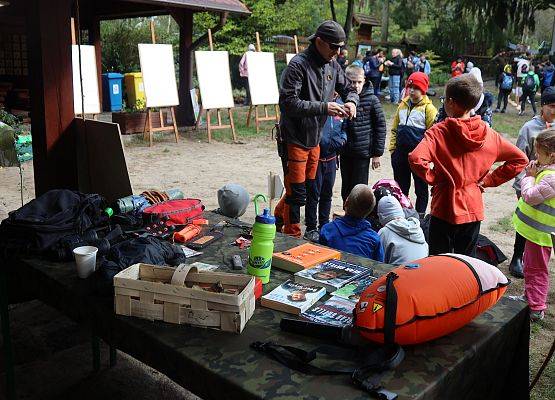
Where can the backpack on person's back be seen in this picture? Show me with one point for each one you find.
(548, 76)
(507, 81)
(529, 83)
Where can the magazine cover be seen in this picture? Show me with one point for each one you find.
(331, 274)
(292, 297)
(336, 311)
(353, 289)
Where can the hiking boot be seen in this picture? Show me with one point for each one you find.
(515, 267)
(496, 110)
(312, 236)
(503, 111)
(536, 316)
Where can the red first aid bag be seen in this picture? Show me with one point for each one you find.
(178, 212)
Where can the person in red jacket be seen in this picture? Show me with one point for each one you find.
(455, 158)
(457, 67)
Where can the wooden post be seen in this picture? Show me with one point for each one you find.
(258, 42)
(152, 32)
(210, 40)
(296, 44)
(185, 113)
(94, 39)
(51, 86)
(73, 34)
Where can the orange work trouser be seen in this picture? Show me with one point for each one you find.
(300, 166)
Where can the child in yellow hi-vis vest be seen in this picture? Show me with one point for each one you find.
(534, 219)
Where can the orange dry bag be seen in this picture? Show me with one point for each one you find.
(427, 299)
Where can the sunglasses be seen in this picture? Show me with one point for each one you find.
(333, 46)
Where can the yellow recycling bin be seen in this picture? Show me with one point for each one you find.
(135, 90)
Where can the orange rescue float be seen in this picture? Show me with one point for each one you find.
(435, 296)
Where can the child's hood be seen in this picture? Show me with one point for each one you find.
(468, 133)
(408, 229)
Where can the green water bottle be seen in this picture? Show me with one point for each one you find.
(262, 245)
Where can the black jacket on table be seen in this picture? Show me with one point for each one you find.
(307, 85)
(366, 133)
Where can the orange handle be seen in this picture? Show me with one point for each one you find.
(186, 234)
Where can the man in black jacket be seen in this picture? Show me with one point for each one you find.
(365, 135)
(305, 100)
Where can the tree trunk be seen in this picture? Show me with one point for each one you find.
(332, 7)
(385, 21)
(349, 19)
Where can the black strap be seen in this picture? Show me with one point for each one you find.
(368, 377)
(390, 309)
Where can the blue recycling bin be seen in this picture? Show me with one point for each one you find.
(112, 88)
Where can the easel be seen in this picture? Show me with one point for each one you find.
(148, 119)
(266, 116)
(209, 125)
(74, 42)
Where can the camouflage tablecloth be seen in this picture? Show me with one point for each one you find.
(487, 359)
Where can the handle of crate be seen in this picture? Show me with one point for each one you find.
(181, 272)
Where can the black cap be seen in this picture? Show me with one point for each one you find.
(331, 32)
(548, 95)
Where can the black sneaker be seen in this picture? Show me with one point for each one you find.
(503, 111)
(496, 110)
(312, 236)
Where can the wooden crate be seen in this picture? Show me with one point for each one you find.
(175, 295)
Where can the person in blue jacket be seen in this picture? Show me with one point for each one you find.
(320, 190)
(353, 233)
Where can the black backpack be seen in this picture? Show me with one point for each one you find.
(529, 84)
(39, 225)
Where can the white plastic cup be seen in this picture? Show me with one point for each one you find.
(85, 258)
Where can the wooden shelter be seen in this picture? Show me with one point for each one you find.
(363, 24)
(35, 55)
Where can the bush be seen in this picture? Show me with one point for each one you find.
(439, 77)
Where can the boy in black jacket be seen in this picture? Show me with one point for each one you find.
(319, 192)
(365, 135)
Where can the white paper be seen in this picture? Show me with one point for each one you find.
(262, 78)
(214, 79)
(90, 80)
(158, 71)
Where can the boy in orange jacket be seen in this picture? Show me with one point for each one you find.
(455, 158)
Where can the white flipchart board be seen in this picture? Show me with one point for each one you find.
(289, 56)
(214, 79)
(262, 78)
(158, 71)
(90, 80)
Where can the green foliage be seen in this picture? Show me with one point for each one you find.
(9, 119)
(120, 39)
(12, 120)
(407, 14)
(269, 18)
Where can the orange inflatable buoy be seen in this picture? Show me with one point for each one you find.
(432, 297)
